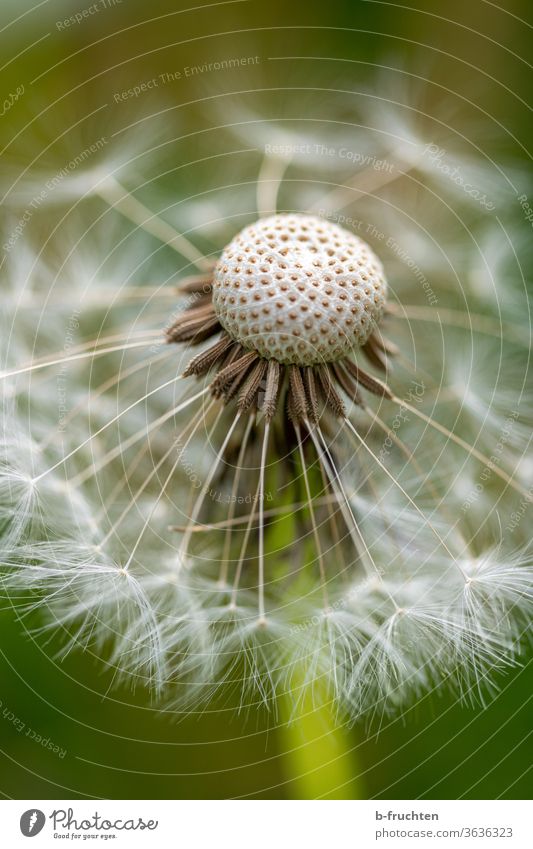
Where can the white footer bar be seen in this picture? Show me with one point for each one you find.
(266, 824)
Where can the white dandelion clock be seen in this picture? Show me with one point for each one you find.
(244, 460)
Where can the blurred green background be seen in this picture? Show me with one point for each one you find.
(112, 742)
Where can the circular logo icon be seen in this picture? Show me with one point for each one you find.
(32, 822)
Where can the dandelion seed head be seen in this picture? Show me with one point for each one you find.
(345, 551)
(299, 289)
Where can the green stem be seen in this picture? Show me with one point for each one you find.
(318, 754)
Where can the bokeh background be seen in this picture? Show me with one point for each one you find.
(464, 64)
